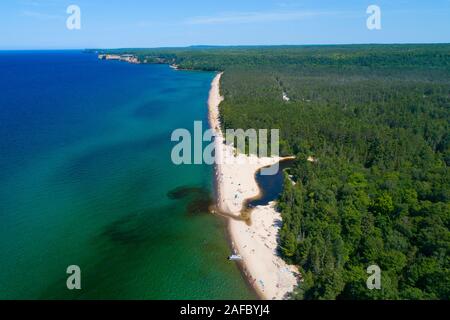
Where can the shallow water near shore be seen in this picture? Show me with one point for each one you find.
(87, 179)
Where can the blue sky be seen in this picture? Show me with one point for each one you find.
(41, 24)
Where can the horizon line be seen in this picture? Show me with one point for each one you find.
(224, 46)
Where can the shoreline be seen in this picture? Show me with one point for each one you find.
(255, 238)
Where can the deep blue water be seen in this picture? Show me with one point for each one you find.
(85, 174)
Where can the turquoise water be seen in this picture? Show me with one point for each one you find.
(86, 179)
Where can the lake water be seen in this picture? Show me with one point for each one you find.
(86, 179)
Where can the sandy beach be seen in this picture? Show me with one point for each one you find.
(255, 242)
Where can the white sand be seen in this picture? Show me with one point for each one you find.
(257, 243)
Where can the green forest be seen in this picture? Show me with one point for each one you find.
(375, 119)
